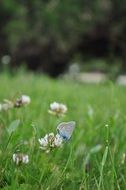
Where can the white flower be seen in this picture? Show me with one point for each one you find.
(58, 140)
(23, 100)
(50, 141)
(57, 108)
(47, 141)
(20, 158)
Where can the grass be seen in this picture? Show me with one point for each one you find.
(92, 159)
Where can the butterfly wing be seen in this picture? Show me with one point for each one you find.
(66, 129)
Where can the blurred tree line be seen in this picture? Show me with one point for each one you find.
(48, 34)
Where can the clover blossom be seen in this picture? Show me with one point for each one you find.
(8, 104)
(23, 100)
(58, 109)
(50, 141)
(19, 158)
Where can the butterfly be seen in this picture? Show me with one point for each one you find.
(66, 129)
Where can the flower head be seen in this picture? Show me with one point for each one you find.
(19, 158)
(23, 100)
(58, 109)
(50, 141)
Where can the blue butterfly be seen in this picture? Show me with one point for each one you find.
(66, 129)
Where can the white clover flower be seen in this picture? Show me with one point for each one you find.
(50, 141)
(7, 104)
(20, 158)
(23, 100)
(47, 141)
(57, 109)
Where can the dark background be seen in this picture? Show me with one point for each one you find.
(48, 35)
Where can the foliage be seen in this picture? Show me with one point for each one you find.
(55, 31)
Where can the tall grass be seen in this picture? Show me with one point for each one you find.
(91, 159)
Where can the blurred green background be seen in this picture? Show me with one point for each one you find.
(49, 35)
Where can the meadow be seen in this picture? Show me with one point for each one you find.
(93, 159)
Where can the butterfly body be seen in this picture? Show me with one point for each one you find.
(66, 129)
